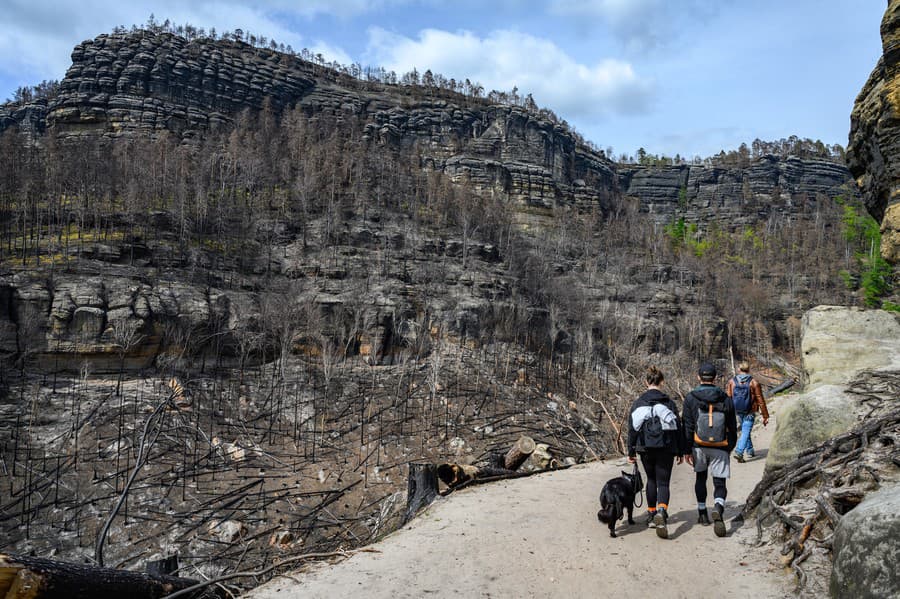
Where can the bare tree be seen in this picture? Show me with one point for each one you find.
(126, 336)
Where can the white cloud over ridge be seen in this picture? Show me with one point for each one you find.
(38, 35)
(503, 59)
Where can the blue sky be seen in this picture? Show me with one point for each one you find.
(673, 76)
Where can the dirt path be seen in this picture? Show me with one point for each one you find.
(539, 537)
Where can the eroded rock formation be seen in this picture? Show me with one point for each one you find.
(120, 84)
(873, 154)
(734, 196)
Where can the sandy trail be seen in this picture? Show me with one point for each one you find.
(539, 537)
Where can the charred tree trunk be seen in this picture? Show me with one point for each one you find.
(24, 577)
(422, 488)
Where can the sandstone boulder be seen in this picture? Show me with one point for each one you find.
(839, 342)
(867, 548)
(807, 420)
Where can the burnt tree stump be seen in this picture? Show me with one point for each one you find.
(422, 488)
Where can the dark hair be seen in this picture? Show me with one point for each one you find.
(654, 376)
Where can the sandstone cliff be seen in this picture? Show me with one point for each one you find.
(873, 154)
(120, 84)
(735, 196)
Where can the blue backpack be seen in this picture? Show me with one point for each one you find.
(741, 393)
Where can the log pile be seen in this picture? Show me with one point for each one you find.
(423, 478)
(801, 503)
(499, 466)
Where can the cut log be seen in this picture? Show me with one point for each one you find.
(422, 488)
(25, 577)
(519, 452)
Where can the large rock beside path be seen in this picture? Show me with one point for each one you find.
(867, 549)
(838, 344)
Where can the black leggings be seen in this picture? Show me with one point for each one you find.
(719, 489)
(658, 467)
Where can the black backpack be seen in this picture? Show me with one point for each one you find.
(652, 433)
(741, 395)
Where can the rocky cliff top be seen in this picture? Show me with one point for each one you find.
(733, 195)
(873, 154)
(129, 83)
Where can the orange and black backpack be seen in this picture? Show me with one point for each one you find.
(710, 429)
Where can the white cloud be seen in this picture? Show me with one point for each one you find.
(504, 59)
(641, 25)
(38, 35)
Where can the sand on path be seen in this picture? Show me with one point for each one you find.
(539, 537)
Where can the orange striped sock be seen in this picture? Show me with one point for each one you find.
(664, 506)
(652, 510)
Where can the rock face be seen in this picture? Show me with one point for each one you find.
(867, 548)
(736, 196)
(873, 154)
(111, 321)
(120, 84)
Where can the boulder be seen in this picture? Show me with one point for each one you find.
(839, 342)
(807, 420)
(867, 548)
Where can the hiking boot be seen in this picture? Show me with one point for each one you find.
(703, 517)
(650, 519)
(660, 520)
(739, 457)
(718, 521)
(751, 454)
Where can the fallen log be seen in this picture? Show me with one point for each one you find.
(26, 577)
(519, 452)
(454, 475)
(785, 384)
(495, 477)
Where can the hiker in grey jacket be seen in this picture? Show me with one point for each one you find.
(710, 433)
(654, 432)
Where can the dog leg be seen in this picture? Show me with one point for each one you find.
(631, 512)
(612, 529)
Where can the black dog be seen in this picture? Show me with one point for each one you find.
(616, 497)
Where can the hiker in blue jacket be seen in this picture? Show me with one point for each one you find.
(655, 433)
(710, 432)
(747, 396)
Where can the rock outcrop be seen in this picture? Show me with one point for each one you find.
(867, 548)
(838, 344)
(734, 196)
(873, 154)
(808, 419)
(121, 84)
